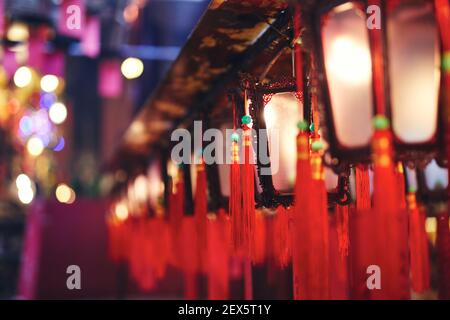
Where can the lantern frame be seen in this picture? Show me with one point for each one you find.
(260, 95)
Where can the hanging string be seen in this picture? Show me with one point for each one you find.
(235, 200)
(248, 192)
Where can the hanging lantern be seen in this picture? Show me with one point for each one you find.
(392, 60)
(276, 108)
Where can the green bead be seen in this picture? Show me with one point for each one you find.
(380, 122)
(446, 62)
(411, 189)
(317, 145)
(311, 127)
(302, 125)
(246, 119)
(235, 137)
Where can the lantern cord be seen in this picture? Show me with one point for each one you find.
(235, 200)
(282, 241)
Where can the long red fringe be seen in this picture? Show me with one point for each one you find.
(311, 253)
(418, 246)
(282, 240)
(258, 254)
(175, 218)
(300, 222)
(218, 257)
(342, 226)
(362, 187)
(190, 260)
(390, 223)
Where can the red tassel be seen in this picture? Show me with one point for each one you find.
(200, 213)
(218, 257)
(319, 231)
(115, 230)
(235, 201)
(282, 240)
(342, 229)
(399, 174)
(176, 212)
(259, 238)
(362, 187)
(300, 221)
(361, 235)
(442, 9)
(311, 253)
(443, 251)
(339, 280)
(248, 193)
(160, 244)
(390, 222)
(418, 247)
(189, 260)
(140, 266)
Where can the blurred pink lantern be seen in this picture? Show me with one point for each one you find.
(90, 41)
